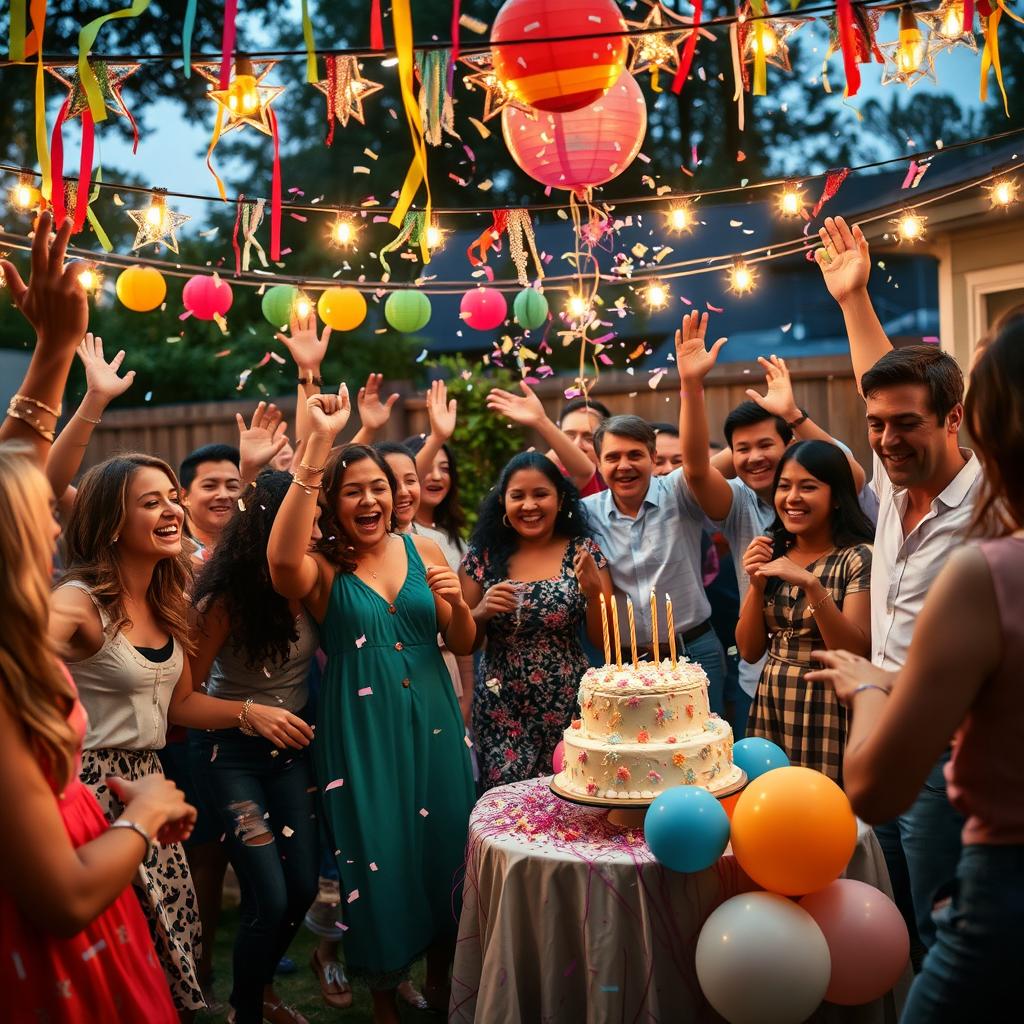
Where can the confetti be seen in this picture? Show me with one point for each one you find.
(353, 896)
(336, 784)
(786, 327)
(714, 309)
(213, 757)
(366, 691)
(287, 832)
(468, 741)
(373, 866)
(360, 640)
(424, 812)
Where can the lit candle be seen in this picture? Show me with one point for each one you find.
(670, 625)
(615, 632)
(654, 628)
(604, 631)
(632, 630)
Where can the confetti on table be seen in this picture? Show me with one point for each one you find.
(353, 896)
(287, 831)
(424, 812)
(336, 784)
(366, 691)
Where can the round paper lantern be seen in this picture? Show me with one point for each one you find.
(761, 959)
(206, 297)
(686, 828)
(407, 311)
(277, 304)
(563, 75)
(141, 288)
(483, 309)
(558, 757)
(342, 309)
(756, 755)
(585, 147)
(793, 831)
(530, 308)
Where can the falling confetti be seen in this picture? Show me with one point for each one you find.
(366, 691)
(360, 640)
(336, 784)
(353, 896)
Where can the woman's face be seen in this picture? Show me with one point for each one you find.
(153, 516)
(437, 483)
(407, 495)
(803, 502)
(364, 503)
(531, 504)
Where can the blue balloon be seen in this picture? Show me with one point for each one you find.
(757, 756)
(686, 828)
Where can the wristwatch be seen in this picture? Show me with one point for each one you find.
(798, 421)
(135, 827)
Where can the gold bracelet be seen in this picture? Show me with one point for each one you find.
(82, 416)
(243, 719)
(820, 604)
(312, 469)
(41, 405)
(43, 432)
(307, 487)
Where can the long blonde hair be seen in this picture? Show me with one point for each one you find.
(33, 686)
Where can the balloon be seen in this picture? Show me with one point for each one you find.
(761, 959)
(141, 288)
(407, 311)
(530, 308)
(793, 831)
(483, 309)
(342, 309)
(729, 803)
(867, 940)
(277, 304)
(563, 75)
(206, 297)
(686, 828)
(585, 147)
(558, 757)
(757, 756)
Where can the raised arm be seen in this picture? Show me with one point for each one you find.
(373, 413)
(260, 441)
(694, 361)
(845, 264)
(307, 351)
(441, 414)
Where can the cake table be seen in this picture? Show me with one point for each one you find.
(568, 918)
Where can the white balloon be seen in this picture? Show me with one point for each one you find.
(761, 959)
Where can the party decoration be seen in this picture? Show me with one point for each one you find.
(207, 298)
(483, 309)
(92, 83)
(763, 41)
(756, 756)
(24, 195)
(583, 148)
(1003, 193)
(407, 311)
(342, 309)
(157, 223)
(791, 201)
(909, 58)
(761, 959)
(483, 76)
(530, 308)
(437, 109)
(564, 74)
(681, 216)
(852, 31)
(346, 90)
(657, 51)
(558, 757)
(141, 289)
(867, 940)
(247, 99)
(793, 831)
(110, 80)
(278, 304)
(686, 828)
(950, 25)
(910, 226)
(686, 57)
(741, 278)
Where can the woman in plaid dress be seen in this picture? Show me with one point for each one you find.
(809, 588)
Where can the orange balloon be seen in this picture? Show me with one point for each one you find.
(793, 831)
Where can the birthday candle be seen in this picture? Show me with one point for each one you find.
(632, 630)
(615, 632)
(604, 631)
(670, 625)
(654, 628)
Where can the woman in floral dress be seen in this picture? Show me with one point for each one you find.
(532, 576)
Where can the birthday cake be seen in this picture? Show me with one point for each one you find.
(643, 730)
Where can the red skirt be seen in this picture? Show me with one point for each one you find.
(107, 972)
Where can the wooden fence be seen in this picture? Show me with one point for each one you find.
(823, 384)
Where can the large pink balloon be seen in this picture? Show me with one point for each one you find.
(584, 147)
(206, 297)
(867, 940)
(483, 309)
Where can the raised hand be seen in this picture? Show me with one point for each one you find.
(373, 413)
(693, 358)
(306, 348)
(261, 440)
(329, 413)
(758, 554)
(525, 409)
(845, 261)
(101, 377)
(587, 573)
(440, 411)
(281, 727)
(779, 400)
(444, 582)
(788, 571)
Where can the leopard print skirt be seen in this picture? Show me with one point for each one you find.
(163, 883)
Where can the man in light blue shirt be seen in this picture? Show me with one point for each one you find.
(649, 528)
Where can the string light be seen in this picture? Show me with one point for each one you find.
(243, 95)
(343, 232)
(577, 306)
(681, 217)
(741, 278)
(910, 48)
(1003, 192)
(25, 196)
(763, 40)
(791, 201)
(90, 280)
(303, 307)
(157, 223)
(656, 295)
(435, 237)
(951, 19)
(910, 226)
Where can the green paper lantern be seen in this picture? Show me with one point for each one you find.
(407, 311)
(530, 308)
(277, 304)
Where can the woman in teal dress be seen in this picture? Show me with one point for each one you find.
(390, 753)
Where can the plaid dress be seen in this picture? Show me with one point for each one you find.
(803, 718)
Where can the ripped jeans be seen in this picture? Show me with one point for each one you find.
(266, 800)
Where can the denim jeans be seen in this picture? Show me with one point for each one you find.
(260, 792)
(972, 971)
(707, 652)
(922, 849)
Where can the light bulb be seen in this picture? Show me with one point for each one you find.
(910, 226)
(741, 278)
(656, 295)
(681, 217)
(951, 24)
(1003, 192)
(303, 307)
(89, 279)
(243, 92)
(22, 196)
(435, 236)
(910, 48)
(791, 201)
(155, 215)
(763, 40)
(577, 306)
(343, 232)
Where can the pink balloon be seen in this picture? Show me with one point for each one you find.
(558, 757)
(483, 309)
(867, 940)
(584, 147)
(206, 297)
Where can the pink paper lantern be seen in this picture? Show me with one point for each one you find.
(206, 297)
(582, 148)
(483, 309)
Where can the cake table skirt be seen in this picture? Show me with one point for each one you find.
(566, 918)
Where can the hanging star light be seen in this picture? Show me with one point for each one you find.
(949, 27)
(246, 100)
(910, 57)
(765, 38)
(657, 51)
(157, 223)
(496, 96)
(345, 89)
(111, 79)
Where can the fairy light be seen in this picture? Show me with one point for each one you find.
(910, 226)
(1003, 192)
(763, 40)
(577, 306)
(910, 49)
(90, 280)
(24, 195)
(741, 278)
(343, 232)
(656, 295)
(435, 237)
(243, 93)
(156, 213)
(951, 19)
(681, 216)
(303, 307)
(791, 201)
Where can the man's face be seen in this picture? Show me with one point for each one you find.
(668, 454)
(756, 451)
(905, 434)
(627, 467)
(579, 427)
(213, 496)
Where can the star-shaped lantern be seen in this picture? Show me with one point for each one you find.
(496, 96)
(764, 38)
(345, 89)
(111, 79)
(657, 50)
(949, 27)
(246, 100)
(909, 58)
(157, 223)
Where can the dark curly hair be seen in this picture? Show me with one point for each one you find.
(449, 516)
(497, 542)
(262, 627)
(335, 544)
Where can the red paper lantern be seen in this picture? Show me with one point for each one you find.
(206, 297)
(584, 147)
(558, 75)
(483, 309)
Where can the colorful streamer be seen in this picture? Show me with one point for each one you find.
(97, 227)
(686, 58)
(376, 27)
(86, 40)
(760, 60)
(990, 55)
(275, 190)
(312, 74)
(16, 38)
(34, 44)
(489, 239)
(848, 45)
(227, 42)
(187, 27)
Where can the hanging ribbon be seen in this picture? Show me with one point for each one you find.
(275, 190)
(84, 168)
(686, 58)
(990, 55)
(252, 218)
(456, 18)
(16, 39)
(101, 235)
(412, 231)
(848, 45)
(520, 229)
(86, 39)
(376, 27)
(56, 182)
(217, 126)
(312, 75)
(760, 59)
(332, 90)
(33, 45)
(489, 238)
(832, 182)
(968, 15)
(417, 173)
(227, 42)
(186, 36)
(737, 73)
(437, 111)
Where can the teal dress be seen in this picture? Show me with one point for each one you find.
(394, 771)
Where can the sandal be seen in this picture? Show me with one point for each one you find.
(411, 996)
(280, 1013)
(334, 987)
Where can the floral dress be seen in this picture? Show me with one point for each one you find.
(529, 675)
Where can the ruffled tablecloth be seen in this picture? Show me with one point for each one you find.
(566, 918)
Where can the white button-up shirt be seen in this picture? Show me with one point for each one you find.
(904, 568)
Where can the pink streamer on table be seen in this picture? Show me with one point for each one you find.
(227, 42)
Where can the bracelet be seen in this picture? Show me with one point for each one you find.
(135, 827)
(801, 419)
(45, 433)
(819, 604)
(38, 404)
(312, 379)
(312, 469)
(82, 416)
(870, 686)
(243, 719)
(307, 487)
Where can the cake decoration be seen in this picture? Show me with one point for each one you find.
(643, 736)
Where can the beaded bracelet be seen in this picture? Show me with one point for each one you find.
(40, 405)
(15, 413)
(820, 604)
(243, 719)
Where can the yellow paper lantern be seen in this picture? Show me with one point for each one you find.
(141, 288)
(342, 309)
